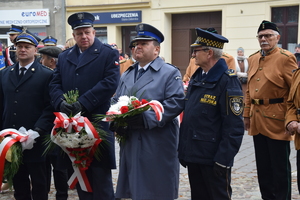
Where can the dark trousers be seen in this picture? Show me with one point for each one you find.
(30, 182)
(273, 167)
(205, 185)
(101, 182)
(298, 170)
(60, 178)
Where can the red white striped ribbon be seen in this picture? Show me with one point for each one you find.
(155, 105)
(77, 123)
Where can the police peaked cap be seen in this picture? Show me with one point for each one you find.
(52, 51)
(15, 29)
(267, 25)
(28, 37)
(206, 38)
(148, 32)
(49, 40)
(81, 20)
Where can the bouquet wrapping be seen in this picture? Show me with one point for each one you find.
(12, 143)
(128, 106)
(79, 139)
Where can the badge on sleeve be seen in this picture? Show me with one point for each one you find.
(236, 104)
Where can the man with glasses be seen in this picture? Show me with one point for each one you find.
(212, 128)
(269, 80)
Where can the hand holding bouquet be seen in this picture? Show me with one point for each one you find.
(128, 112)
(78, 138)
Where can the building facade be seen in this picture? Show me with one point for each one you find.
(116, 20)
(236, 20)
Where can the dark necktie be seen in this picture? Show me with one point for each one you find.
(204, 75)
(22, 72)
(140, 73)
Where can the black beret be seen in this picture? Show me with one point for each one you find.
(206, 38)
(28, 37)
(52, 51)
(49, 41)
(15, 29)
(267, 25)
(81, 20)
(148, 32)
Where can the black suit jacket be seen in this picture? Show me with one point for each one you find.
(27, 103)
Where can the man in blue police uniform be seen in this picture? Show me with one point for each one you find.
(10, 52)
(49, 41)
(92, 68)
(212, 128)
(149, 166)
(25, 101)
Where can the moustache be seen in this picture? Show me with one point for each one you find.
(263, 43)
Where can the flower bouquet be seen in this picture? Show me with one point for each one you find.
(12, 144)
(128, 106)
(79, 139)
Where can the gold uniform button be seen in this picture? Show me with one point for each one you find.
(274, 115)
(258, 79)
(256, 90)
(260, 68)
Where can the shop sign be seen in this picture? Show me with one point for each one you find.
(118, 17)
(28, 17)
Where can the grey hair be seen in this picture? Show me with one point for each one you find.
(275, 32)
(217, 52)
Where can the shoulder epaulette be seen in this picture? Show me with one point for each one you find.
(122, 61)
(285, 52)
(230, 72)
(107, 45)
(173, 66)
(254, 54)
(225, 55)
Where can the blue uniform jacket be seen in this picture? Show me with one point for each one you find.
(95, 74)
(212, 128)
(27, 103)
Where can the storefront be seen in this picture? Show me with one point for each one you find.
(35, 20)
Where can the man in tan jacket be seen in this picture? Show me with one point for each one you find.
(269, 80)
(292, 118)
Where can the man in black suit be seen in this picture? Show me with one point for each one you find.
(25, 101)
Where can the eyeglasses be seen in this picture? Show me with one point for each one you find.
(267, 36)
(195, 50)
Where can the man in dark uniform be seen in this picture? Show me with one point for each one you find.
(25, 102)
(10, 52)
(92, 68)
(212, 128)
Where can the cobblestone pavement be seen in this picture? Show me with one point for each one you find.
(244, 178)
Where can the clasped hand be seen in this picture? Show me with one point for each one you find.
(69, 109)
(292, 127)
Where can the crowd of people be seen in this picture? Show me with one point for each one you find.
(225, 96)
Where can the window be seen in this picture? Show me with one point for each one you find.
(286, 18)
(101, 34)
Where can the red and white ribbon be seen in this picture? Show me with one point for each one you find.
(77, 123)
(154, 104)
(12, 136)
